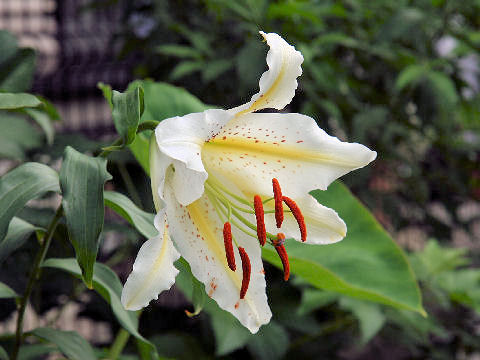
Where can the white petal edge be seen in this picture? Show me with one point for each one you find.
(153, 270)
(254, 148)
(181, 140)
(323, 224)
(279, 82)
(197, 232)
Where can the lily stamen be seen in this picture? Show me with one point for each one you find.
(277, 193)
(227, 240)
(292, 205)
(247, 269)
(282, 254)
(260, 216)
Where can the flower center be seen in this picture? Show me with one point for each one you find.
(234, 210)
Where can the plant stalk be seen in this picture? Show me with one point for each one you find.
(34, 276)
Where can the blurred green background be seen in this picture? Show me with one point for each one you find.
(401, 77)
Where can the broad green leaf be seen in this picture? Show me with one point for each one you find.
(22, 184)
(369, 315)
(162, 101)
(9, 101)
(367, 264)
(313, 299)
(3, 354)
(6, 292)
(230, 335)
(140, 149)
(107, 284)
(70, 343)
(127, 110)
(17, 136)
(82, 178)
(35, 351)
(213, 69)
(142, 220)
(271, 342)
(16, 73)
(44, 121)
(409, 76)
(18, 232)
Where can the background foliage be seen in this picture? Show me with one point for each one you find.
(398, 76)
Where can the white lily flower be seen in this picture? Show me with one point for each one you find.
(212, 176)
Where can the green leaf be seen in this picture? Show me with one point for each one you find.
(186, 68)
(81, 179)
(107, 92)
(180, 51)
(140, 149)
(443, 87)
(35, 351)
(367, 264)
(17, 136)
(9, 101)
(127, 110)
(313, 299)
(142, 220)
(198, 298)
(107, 284)
(410, 76)
(3, 354)
(214, 69)
(6, 292)
(18, 232)
(162, 101)
(43, 120)
(9, 45)
(369, 315)
(22, 184)
(69, 343)
(16, 73)
(271, 342)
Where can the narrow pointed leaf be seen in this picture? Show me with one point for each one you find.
(22, 184)
(81, 179)
(10, 101)
(35, 351)
(16, 73)
(127, 110)
(18, 232)
(70, 343)
(142, 220)
(3, 354)
(107, 284)
(6, 292)
(367, 264)
(43, 120)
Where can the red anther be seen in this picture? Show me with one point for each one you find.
(247, 269)
(292, 205)
(259, 214)
(227, 240)
(282, 254)
(277, 194)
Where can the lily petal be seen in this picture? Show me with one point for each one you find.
(181, 139)
(197, 232)
(279, 82)
(254, 148)
(324, 226)
(153, 270)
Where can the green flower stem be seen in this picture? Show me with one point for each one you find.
(118, 344)
(146, 125)
(34, 276)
